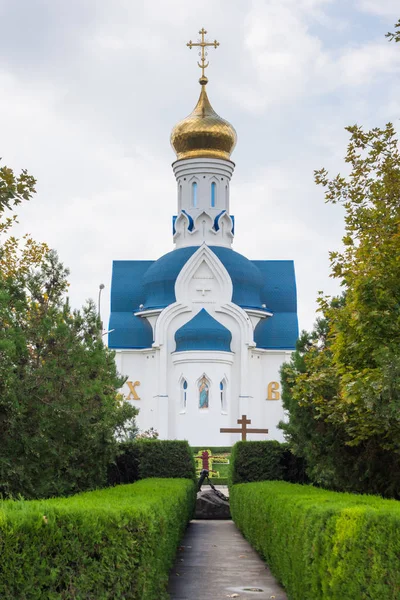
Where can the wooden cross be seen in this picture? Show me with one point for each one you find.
(203, 44)
(244, 421)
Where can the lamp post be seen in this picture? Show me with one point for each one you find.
(101, 288)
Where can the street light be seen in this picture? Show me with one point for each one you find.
(101, 288)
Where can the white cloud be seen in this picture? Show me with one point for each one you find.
(386, 8)
(91, 117)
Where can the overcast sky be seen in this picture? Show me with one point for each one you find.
(90, 90)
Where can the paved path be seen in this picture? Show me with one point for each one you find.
(215, 562)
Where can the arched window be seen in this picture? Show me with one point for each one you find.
(222, 392)
(213, 194)
(184, 387)
(194, 194)
(204, 392)
(180, 197)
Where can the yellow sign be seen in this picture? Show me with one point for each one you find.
(132, 390)
(273, 391)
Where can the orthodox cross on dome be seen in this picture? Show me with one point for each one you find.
(244, 421)
(203, 64)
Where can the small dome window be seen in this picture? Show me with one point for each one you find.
(222, 392)
(194, 194)
(213, 194)
(184, 386)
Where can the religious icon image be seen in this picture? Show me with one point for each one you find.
(203, 393)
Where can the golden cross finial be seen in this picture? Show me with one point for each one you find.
(203, 64)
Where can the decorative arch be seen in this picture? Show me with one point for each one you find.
(203, 222)
(203, 254)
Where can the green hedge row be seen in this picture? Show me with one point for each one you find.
(114, 543)
(260, 461)
(213, 449)
(152, 458)
(322, 545)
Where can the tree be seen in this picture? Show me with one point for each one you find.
(60, 412)
(396, 35)
(346, 383)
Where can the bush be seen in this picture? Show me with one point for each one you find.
(125, 468)
(213, 449)
(152, 458)
(114, 543)
(322, 544)
(260, 461)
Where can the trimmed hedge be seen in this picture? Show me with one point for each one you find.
(261, 461)
(213, 449)
(152, 458)
(114, 543)
(322, 544)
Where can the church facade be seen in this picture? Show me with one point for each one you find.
(202, 332)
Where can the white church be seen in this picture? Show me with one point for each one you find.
(202, 332)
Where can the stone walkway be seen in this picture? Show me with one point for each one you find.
(215, 562)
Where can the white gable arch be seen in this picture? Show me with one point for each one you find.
(204, 260)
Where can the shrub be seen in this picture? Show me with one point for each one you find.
(213, 449)
(152, 458)
(260, 461)
(322, 544)
(166, 458)
(114, 543)
(125, 468)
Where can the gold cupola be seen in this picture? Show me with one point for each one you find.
(203, 134)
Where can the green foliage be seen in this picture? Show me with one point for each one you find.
(166, 458)
(125, 467)
(396, 35)
(213, 449)
(115, 543)
(151, 458)
(342, 388)
(322, 544)
(260, 461)
(59, 407)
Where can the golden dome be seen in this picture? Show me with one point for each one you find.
(203, 134)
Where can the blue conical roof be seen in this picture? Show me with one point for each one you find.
(203, 332)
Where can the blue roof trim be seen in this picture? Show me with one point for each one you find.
(190, 219)
(174, 218)
(217, 218)
(233, 224)
(203, 332)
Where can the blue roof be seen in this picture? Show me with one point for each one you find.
(159, 280)
(126, 295)
(203, 332)
(279, 293)
(152, 283)
(129, 331)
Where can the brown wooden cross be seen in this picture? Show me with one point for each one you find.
(244, 421)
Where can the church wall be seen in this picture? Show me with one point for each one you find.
(141, 366)
(188, 420)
